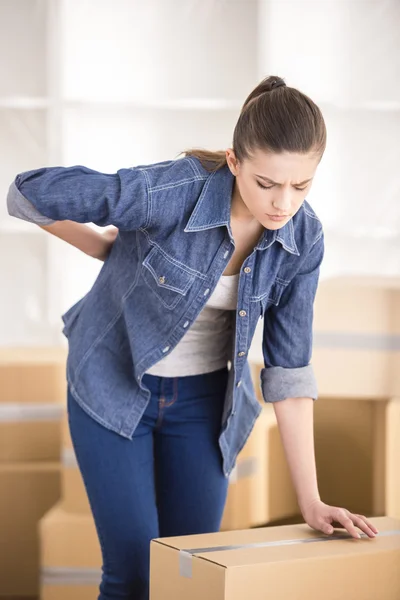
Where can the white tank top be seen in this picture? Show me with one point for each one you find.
(206, 345)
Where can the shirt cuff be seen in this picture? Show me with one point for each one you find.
(18, 206)
(278, 383)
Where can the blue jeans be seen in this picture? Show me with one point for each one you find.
(166, 481)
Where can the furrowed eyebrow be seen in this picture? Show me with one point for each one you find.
(275, 183)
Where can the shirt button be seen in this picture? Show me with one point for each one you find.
(247, 270)
(242, 313)
(161, 280)
(166, 349)
(186, 323)
(207, 291)
(242, 353)
(226, 254)
(239, 383)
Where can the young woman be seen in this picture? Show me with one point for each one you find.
(203, 247)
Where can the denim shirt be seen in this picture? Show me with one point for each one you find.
(174, 243)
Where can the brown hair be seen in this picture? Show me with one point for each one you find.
(274, 118)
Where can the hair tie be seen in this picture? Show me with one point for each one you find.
(277, 84)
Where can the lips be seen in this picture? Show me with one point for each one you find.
(277, 217)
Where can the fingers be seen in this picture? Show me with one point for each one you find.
(326, 528)
(351, 522)
(365, 525)
(348, 524)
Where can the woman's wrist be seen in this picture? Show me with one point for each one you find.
(82, 237)
(306, 502)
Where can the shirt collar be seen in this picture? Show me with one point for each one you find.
(213, 210)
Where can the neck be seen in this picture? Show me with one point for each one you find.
(239, 211)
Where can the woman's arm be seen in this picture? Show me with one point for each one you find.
(296, 426)
(86, 239)
(289, 382)
(81, 195)
(80, 236)
(295, 421)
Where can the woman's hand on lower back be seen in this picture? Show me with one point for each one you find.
(108, 239)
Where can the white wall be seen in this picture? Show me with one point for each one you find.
(112, 84)
(346, 56)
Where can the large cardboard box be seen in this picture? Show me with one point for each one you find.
(74, 495)
(27, 492)
(260, 488)
(33, 375)
(70, 556)
(357, 337)
(281, 563)
(30, 432)
(357, 445)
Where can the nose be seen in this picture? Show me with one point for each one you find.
(282, 201)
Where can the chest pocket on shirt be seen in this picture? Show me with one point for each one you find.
(168, 280)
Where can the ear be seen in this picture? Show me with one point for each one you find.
(232, 161)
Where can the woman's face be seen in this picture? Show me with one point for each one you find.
(272, 187)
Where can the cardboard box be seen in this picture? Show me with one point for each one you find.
(357, 335)
(281, 563)
(73, 489)
(70, 556)
(27, 492)
(357, 445)
(74, 495)
(30, 432)
(260, 488)
(33, 375)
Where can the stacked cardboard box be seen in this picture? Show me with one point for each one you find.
(70, 556)
(356, 359)
(279, 563)
(70, 550)
(357, 338)
(32, 397)
(260, 489)
(357, 417)
(74, 495)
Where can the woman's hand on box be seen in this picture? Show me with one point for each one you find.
(325, 518)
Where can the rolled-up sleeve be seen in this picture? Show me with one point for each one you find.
(82, 195)
(287, 336)
(20, 208)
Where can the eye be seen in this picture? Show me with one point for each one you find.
(264, 187)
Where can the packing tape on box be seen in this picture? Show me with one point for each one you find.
(70, 576)
(356, 341)
(68, 458)
(15, 412)
(186, 556)
(246, 467)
